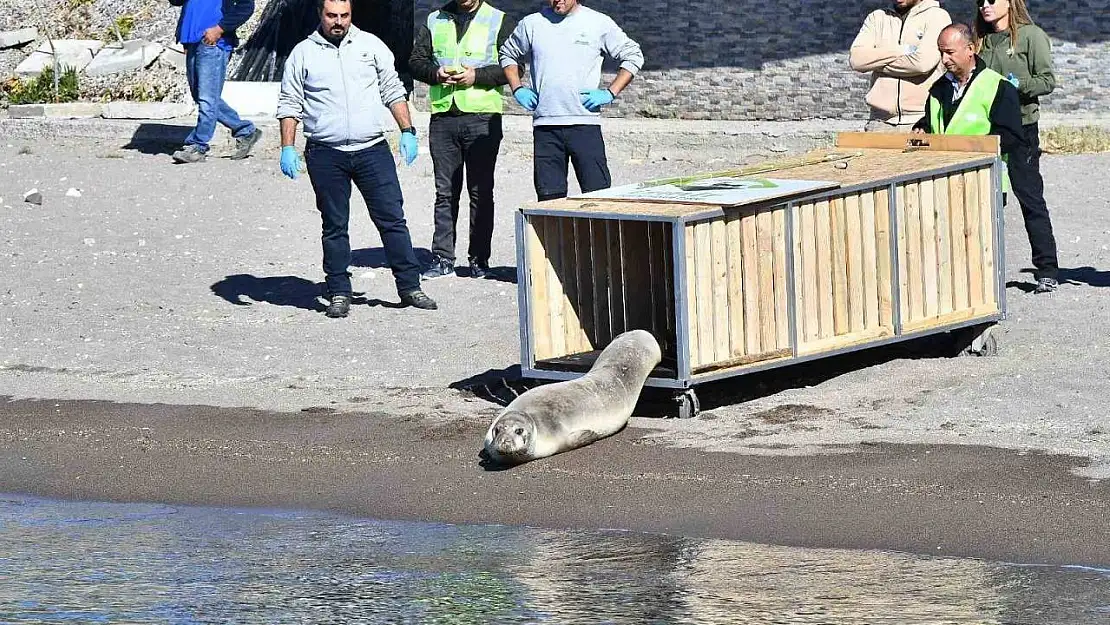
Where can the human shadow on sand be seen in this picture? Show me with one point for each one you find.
(374, 258)
(244, 290)
(151, 138)
(1074, 275)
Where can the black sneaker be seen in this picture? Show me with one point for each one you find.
(1046, 285)
(243, 145)
(440, 267)
(417, 299)
(479, 268)
(339, 307)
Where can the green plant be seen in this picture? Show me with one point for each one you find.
(142, 91)
(1075, 140)
(124, 24)
(40, 89)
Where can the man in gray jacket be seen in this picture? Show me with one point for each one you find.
(564, 44)
(333, 82)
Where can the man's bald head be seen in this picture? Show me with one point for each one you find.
(957, 50)
(962, 31)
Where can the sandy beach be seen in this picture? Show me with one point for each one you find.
(161, 340)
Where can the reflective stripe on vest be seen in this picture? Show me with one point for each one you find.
(478, 48)
(973, 113)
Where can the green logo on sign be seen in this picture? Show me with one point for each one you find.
(728, 184)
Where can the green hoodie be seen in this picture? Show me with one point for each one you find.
(1030, 61)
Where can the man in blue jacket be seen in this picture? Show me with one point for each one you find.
(206, 29)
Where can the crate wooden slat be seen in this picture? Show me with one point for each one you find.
(901, 242)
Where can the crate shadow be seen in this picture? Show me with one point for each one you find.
(759, 385)
(502, 386)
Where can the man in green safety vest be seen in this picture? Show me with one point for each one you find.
(455, 53)
(972, 99)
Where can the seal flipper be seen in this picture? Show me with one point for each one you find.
(581, 438)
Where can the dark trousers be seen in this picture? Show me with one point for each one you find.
(374, 173)
(1025, 180)
(583, 145)
(464, 142)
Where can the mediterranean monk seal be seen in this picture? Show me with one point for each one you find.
(559, 417)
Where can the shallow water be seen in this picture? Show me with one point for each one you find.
(64, 562)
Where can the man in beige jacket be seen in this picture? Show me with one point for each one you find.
(898, 46)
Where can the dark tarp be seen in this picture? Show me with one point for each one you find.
(285, 23)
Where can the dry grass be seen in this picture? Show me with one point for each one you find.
(1075, 140)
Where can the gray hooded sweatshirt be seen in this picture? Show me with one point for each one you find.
(564, 56)
(338, 91)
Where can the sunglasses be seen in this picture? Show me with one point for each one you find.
(980, 3)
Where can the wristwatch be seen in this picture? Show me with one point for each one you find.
(411, 130)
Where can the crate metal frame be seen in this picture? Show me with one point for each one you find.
(685, 378)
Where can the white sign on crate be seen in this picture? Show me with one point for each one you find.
(721, 190)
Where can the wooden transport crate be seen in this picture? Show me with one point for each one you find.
(902, 241)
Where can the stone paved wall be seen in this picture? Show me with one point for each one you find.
(787, 59)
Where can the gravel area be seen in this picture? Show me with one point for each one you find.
(197, 285)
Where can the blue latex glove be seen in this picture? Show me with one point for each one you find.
(594, 99)
(1013, 79)
(408, 147)
(527, 98)
(290, 162)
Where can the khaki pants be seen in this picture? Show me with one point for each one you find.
(878, 125)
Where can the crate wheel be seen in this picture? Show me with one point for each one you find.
(688, 404)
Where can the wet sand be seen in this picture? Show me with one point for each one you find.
(939, 500)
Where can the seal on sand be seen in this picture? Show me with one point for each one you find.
(559, 417)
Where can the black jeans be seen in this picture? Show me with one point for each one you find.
(583, 145)
(469, 141)
(375, 174)
(1028, 186)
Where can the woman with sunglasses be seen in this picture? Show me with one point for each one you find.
(1011, 44)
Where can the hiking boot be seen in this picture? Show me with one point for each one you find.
(479, 268)
(1046, 285)
(417, 299)
(189, 154)
(339, 307)
(440, 267)
(244, 145)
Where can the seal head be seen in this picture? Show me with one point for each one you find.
(512, 438)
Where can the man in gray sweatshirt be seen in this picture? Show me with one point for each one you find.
(335, 83)
(563, 44)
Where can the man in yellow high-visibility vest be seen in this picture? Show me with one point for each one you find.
(972, 99)
(455, 53)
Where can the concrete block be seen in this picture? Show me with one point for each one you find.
(173, 56)
(75, 53)
(67, 110)
(252, 99)
(114, 58)
(13, 38)
(146, 110)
